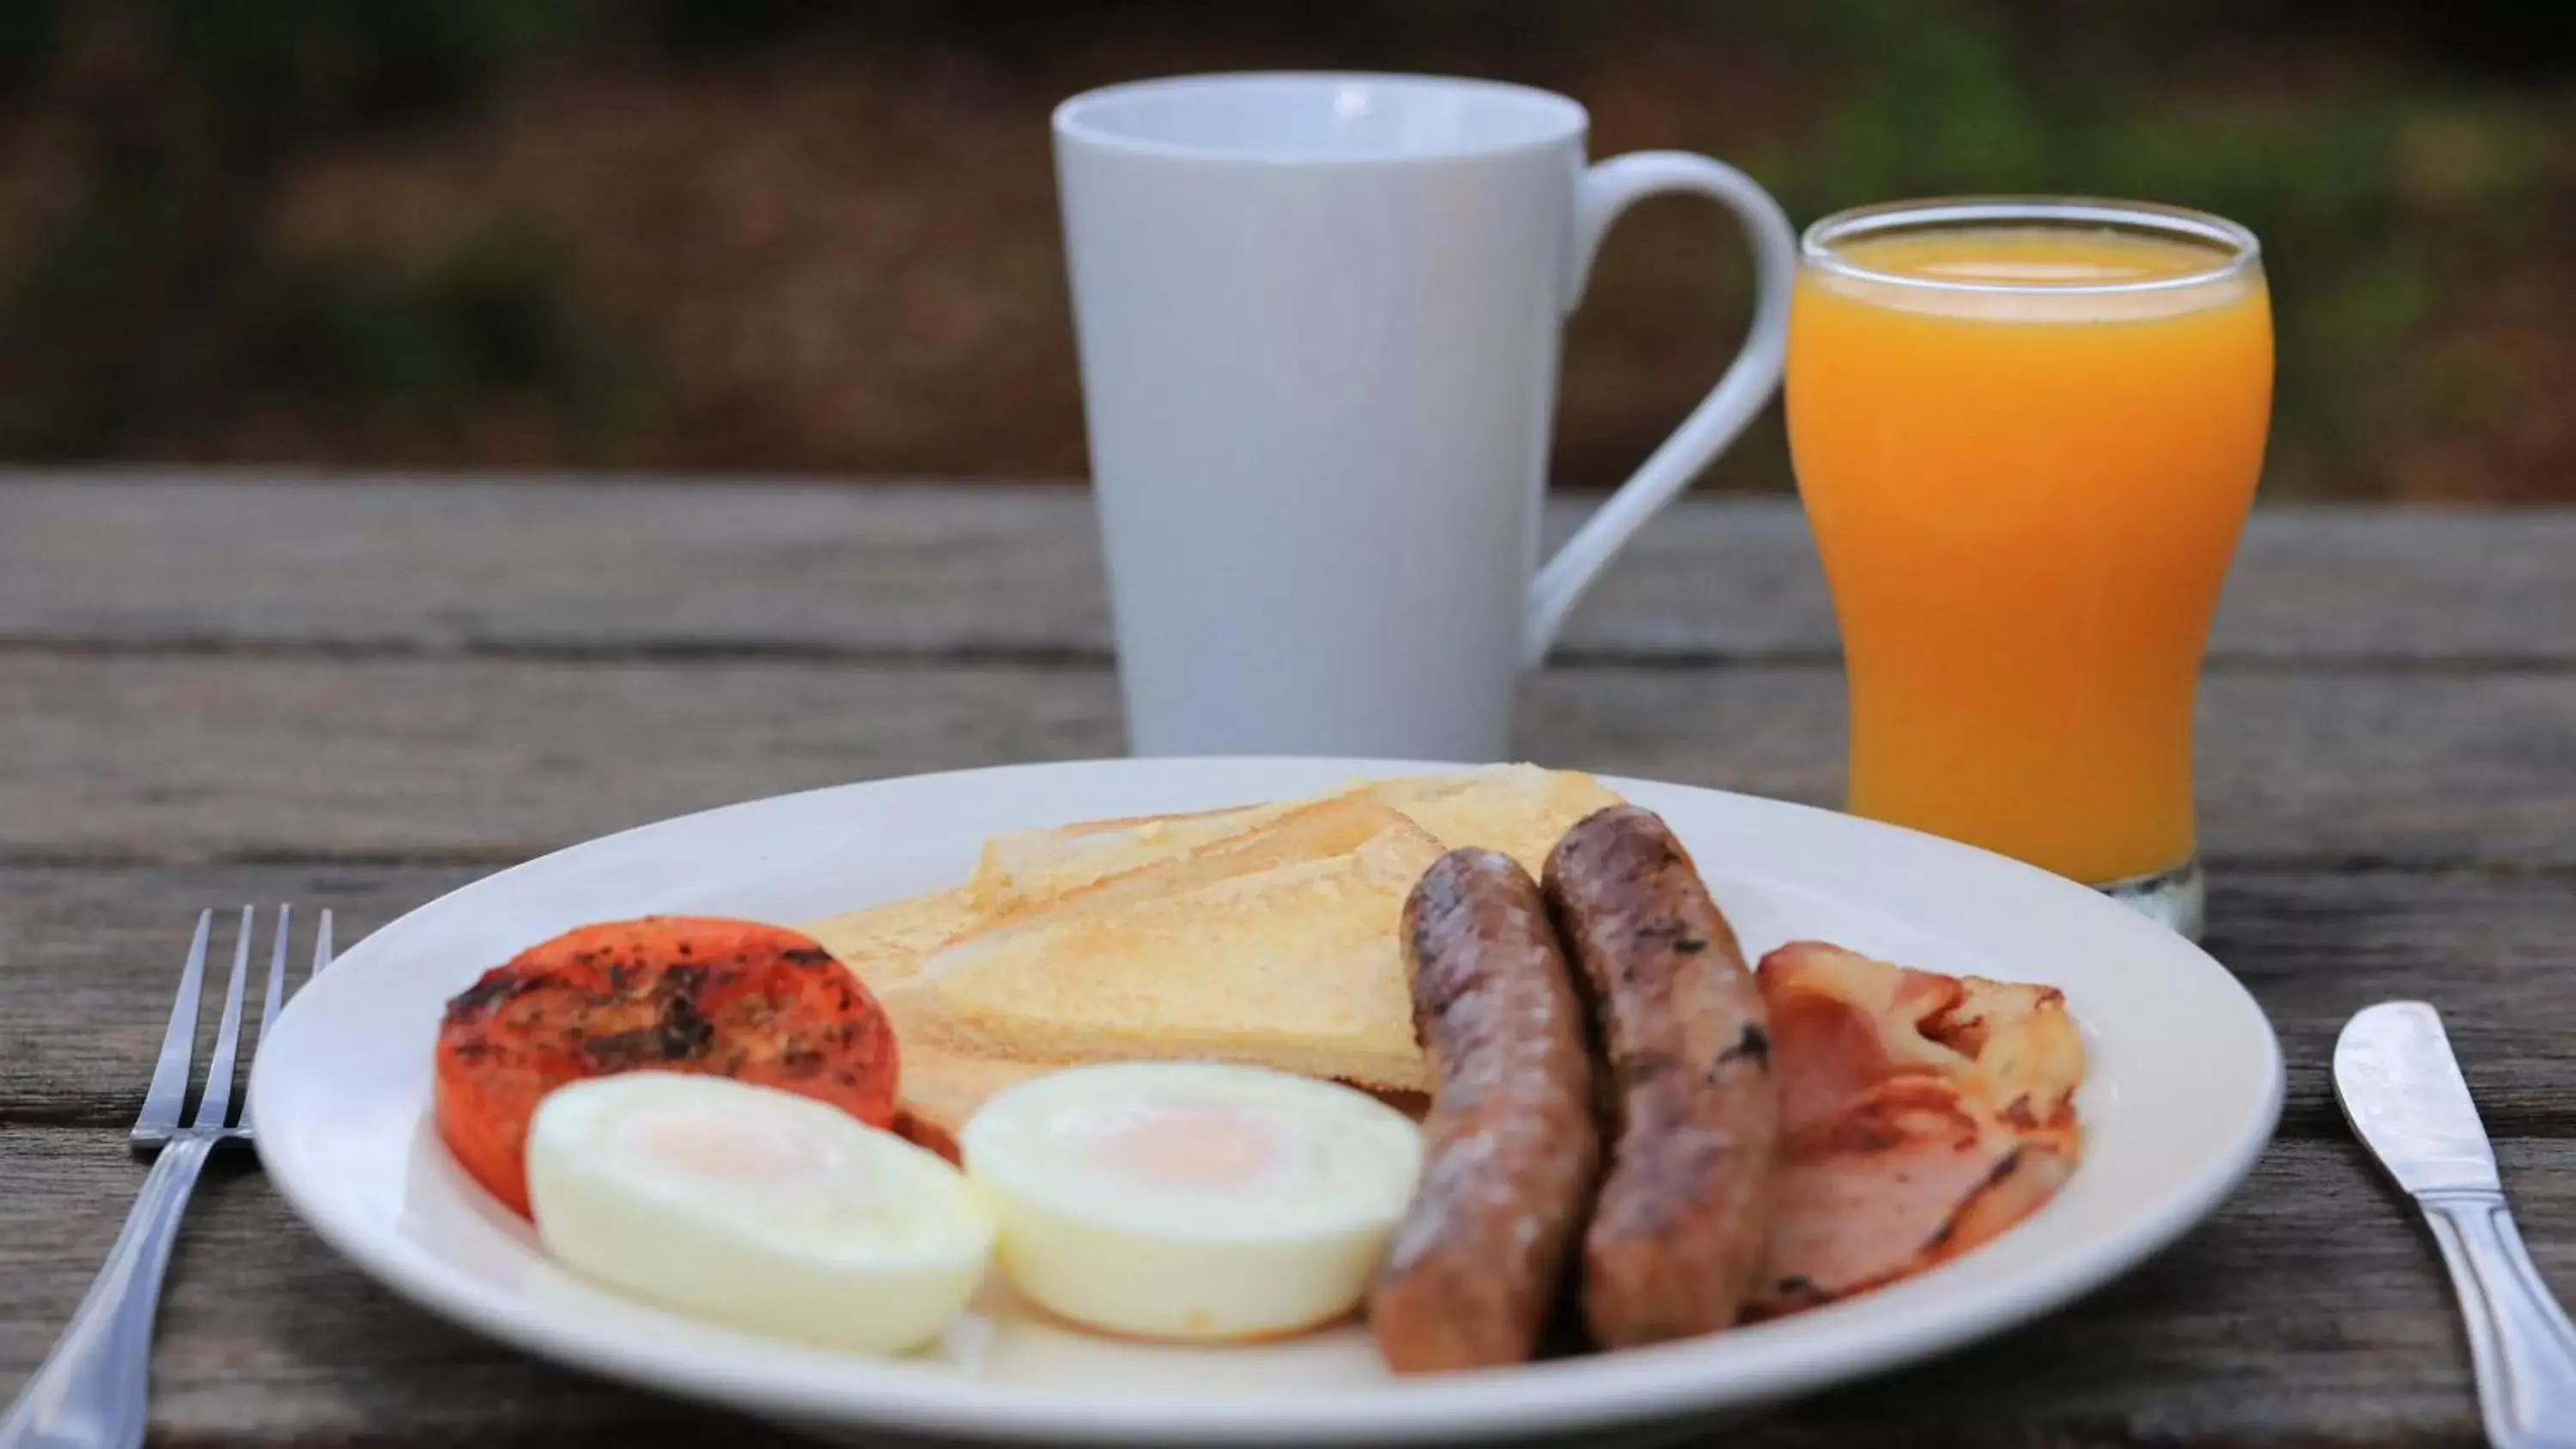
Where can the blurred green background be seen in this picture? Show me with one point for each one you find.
(794, 236)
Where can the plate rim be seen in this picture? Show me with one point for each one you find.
(1596, 1392)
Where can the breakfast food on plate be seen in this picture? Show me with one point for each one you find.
(1180, 1059)
(755, 1207)
(1191, 1200)
(1678, 1231)
(1023, 867)
(1275, 948)
(1920, 1115)
(1517, 809)
(942, 1087)
(1520, 810)
(1511, 1149)
(760, 1003)
(883, 944)
(972, 1029)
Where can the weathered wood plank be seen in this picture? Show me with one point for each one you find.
(2309, 1310)
(169, 758)
(2322, 768)
(267, 1337)
(141, 558)
(88, 956)
(2491, 952)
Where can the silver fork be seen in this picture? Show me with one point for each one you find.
(92, 1391)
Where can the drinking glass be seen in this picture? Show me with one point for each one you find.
(2027, 433)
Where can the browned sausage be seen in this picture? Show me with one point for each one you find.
(1510, 1149)
(1678, 1231)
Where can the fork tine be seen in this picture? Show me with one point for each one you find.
(321, 946)
(168, 1093)
(275, 997)
(217, 1103)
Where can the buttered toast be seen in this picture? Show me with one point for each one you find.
(885, 943)
(1274, 948)
(1262, 934)
(1023, 867)
(1519, 810)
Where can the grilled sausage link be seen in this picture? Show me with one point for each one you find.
(1511, 1148)
(1679, 1229)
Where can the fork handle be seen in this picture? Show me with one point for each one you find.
(92, 1391)
(2520, 1342)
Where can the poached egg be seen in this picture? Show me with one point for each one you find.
(1187, 1200)
(755, 1207)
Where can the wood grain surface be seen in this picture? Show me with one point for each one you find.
(227, 688)
(809, 569)
(194, 757)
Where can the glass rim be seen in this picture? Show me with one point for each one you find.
(2242, 252)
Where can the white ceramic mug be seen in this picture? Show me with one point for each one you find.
(1319, 321)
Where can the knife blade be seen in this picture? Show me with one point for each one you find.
(2401, 1090)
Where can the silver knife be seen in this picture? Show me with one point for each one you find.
(2401, 1090)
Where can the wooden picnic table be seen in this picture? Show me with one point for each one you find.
(360, 693)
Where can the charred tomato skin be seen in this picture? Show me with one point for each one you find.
(740, 999)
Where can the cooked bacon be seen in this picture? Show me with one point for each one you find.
(1920, 1116)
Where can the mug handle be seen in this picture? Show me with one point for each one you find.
(1607, 189)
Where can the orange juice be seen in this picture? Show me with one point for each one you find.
(2027, 451)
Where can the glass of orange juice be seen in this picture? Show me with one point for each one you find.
(2027, 434)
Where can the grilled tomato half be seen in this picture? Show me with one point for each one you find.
(739, 999)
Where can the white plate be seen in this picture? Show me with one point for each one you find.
(2184, 1088)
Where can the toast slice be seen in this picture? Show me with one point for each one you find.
(1275, 947)
(1517, 809)
(1020, 868)
(949, 1069)
(1920, 1115)
(885, 943)
(1520, 809)
(945, 1087)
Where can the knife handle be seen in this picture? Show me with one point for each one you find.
(2520, 1343)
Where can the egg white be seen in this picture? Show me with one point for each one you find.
(755, 1207)
(1192, 1200)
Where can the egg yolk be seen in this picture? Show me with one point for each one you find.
(1188, 1144)
(730, 1147)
